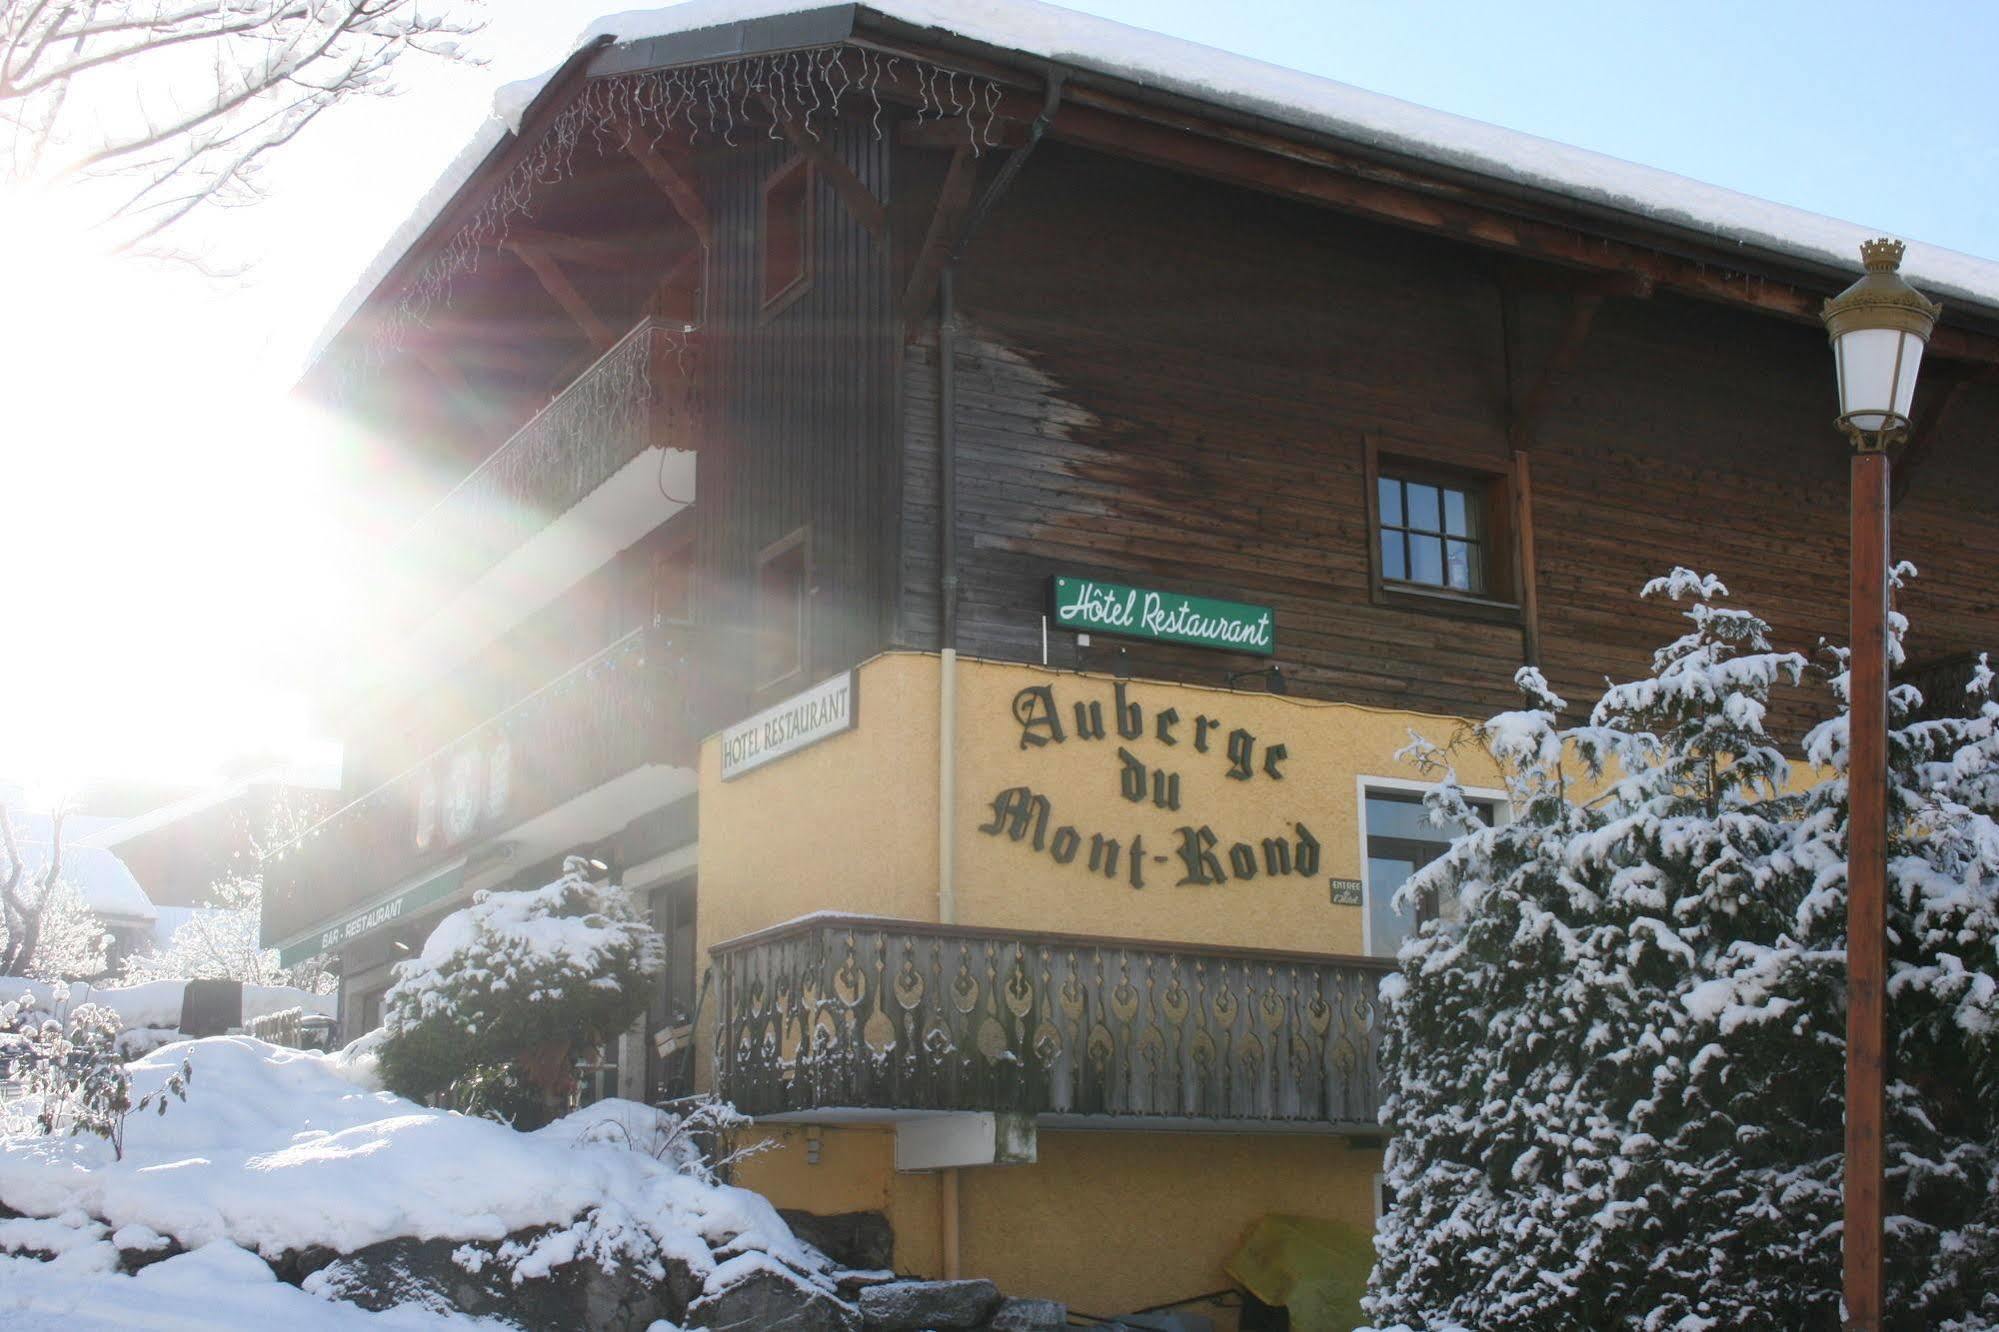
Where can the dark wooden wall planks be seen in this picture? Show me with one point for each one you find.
(802, 412)
(1170, 382)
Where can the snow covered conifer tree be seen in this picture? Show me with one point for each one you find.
(508, 990)
(1616, 1080)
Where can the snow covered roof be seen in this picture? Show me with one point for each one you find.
(106, 885)
(1285, 96)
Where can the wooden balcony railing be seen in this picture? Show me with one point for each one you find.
(862, 1013)
(629, 705)
(640, 394)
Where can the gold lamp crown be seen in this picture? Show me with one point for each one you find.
(1881, 298)
(1881, 255)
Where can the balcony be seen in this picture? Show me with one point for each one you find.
(637, 396)
(607, 461)
(618, 728)
(862, 1014)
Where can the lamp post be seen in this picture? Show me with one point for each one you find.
(1879, 327)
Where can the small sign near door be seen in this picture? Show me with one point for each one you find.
(804, 719)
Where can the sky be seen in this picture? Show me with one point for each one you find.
(167, 555)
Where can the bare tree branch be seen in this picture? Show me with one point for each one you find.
(157, 107)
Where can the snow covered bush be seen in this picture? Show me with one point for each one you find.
(1616, 1078)
(510, 990)
(72, 1070)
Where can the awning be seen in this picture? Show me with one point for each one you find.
(405, 901)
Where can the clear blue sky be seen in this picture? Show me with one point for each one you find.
(178, 551)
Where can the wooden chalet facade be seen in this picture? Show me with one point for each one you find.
(810, 347)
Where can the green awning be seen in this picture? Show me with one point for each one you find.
(405, 901)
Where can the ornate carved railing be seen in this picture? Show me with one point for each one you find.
(640, 394)
(622, 708)
(855, 1012)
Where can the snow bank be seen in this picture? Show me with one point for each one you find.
(214, 1287)
(277, 1150)
(156, 1004)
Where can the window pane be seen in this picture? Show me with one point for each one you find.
(1423, 507)
(1406, 818)
(1387, 927)
(1393, 565)
(1460, 564)
(1454, 513)
(1426, 557)
(1391, 502)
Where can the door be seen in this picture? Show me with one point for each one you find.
(673, 1017)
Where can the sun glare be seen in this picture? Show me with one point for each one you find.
(166, 548)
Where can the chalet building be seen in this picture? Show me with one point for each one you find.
(959, 520)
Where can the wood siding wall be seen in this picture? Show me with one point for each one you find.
(802, 409)
(1170, 382)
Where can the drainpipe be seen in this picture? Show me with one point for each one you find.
(947, 526)
(947, 593)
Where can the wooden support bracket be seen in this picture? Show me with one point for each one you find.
(573, 249)
(556, 283)
(1526, 416)
(853, 192)
(953, 199)
(678, 189)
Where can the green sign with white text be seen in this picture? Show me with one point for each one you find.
(1085, 605)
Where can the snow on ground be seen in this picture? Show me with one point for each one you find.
(220, 1286)
(156, 1004)
(277, 1150)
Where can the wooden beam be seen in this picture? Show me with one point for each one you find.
(477, 407)
(1404, 199)
(959, 132)
(953, 199)
(1526, 417)
(573, 249)
(853, 191)
(678, 189)
(558, 286)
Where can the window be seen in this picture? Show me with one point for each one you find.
(1444, 535)
(783, 592)
(1401, 840)
(787, 234)
(1432, 532)
(658, 578)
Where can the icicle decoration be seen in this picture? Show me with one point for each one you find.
(698, 103)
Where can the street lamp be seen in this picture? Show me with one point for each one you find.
(1879, 327)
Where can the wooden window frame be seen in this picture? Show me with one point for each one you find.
(798, 539)
(775, 301)
(1506, 524)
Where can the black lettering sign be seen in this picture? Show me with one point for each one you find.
(1197, 853)
(1034, 709)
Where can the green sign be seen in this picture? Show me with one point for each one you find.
(1084, 605)
(390, 909)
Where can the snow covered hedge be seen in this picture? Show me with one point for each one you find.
(510, 989)
(1616, 1081)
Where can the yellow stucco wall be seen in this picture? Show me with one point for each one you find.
(1106, 1221)
(1103, 1221)
(850, 823)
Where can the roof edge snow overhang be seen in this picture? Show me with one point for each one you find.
(1181, 104)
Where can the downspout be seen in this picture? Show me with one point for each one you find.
(947, 525)
(947, 593)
